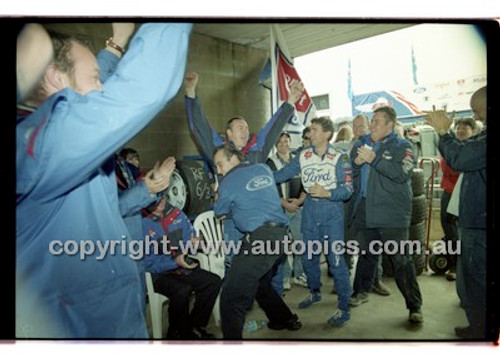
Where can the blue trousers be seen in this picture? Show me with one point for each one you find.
(284, 269)
(323, 221)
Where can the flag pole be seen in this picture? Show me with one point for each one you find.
(274, 71)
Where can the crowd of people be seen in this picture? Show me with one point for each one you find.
(77, 182)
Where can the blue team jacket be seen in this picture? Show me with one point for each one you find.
(66, 190)
(248, 195)
(258, 146)
(155, 229)
(468, 157)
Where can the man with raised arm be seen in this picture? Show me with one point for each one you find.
(67, 202)
(469, 157)
(254, 148)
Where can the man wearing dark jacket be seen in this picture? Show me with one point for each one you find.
(469, 157)
(382, 206)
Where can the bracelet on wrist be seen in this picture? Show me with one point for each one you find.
(112, 44)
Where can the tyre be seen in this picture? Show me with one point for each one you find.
(439, 263)
(418, 209)
(418, 182)
(189, 188)
(417, 233)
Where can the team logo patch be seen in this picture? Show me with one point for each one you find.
(259, 182)
(386, 155)
(308, 154)
(330, 156)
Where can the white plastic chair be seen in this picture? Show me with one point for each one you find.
(210, 230)
(156, 301)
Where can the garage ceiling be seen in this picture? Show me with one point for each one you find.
(301, 38)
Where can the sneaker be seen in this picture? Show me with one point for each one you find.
(286, 284)
(358, 299)
(467, 332)
(380, 288)
(415, 316)
(301, 281)
(310, 300)
(339, 318)
(202, 334)
(292, 324)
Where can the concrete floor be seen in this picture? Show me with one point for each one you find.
(382, 318)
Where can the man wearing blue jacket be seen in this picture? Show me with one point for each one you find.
(66, 185)
(469, 157)
(248, 195)
(255, 148)
(327, 179)
(135, 195)
(382, 208)
(177, 278)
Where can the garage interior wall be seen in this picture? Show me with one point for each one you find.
(228, 86)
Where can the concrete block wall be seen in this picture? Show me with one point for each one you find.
(228, 86)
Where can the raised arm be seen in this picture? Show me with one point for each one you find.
(463, 156)
(86, 130)
(205, 136)
(269, 134)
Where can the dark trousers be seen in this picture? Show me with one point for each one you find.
(449, 223)
(250, 278)
(179, 288)
(471, 273)
(402, 264)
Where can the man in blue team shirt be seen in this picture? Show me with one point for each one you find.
(176, 277)
(248, 195)
(255, 148)
(66, 185)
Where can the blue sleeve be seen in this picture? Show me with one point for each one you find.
(107, 64)
(156, 263)
(187, 228)
(463, 156)
(269, 134)
(205, 136)
(132, 200)
(343, 171)
(289, 171)
(83, 131)
(354, 152)
(223, 205)
(399, 166)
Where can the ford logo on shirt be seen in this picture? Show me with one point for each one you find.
(259, 182)
(315, 175)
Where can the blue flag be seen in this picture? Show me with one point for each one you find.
(349, 81)
(414, 66)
